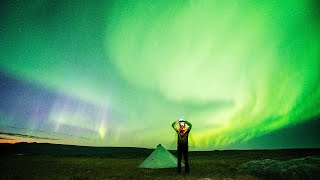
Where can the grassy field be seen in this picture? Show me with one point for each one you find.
(213, 164)
(41, 166)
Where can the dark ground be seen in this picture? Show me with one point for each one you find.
(48, 161)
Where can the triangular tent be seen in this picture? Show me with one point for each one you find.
(160, 158)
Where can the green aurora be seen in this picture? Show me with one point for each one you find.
(237, 70)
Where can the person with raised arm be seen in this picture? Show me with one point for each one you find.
(183, 132)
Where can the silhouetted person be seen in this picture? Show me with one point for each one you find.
(183, 133)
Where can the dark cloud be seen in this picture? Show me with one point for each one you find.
(5, 138)
(26, 136)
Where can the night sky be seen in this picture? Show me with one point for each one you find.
(246, 74)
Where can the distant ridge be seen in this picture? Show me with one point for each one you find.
(70, 150)
(73, 150)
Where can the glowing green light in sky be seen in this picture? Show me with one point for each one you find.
(235, 70)
(262, 57)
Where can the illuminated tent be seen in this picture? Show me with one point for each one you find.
(160, 158)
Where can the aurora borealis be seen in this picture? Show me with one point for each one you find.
(118, 73)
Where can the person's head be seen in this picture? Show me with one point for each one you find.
(181, 123)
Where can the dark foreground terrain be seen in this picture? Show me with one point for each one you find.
(48, 161)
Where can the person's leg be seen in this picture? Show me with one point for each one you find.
(186, 161)
(179, 159)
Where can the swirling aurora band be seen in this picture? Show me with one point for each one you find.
(121, 73)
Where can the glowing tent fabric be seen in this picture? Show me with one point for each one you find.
(160, 158)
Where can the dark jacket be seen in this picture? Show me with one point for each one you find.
(182, 134)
